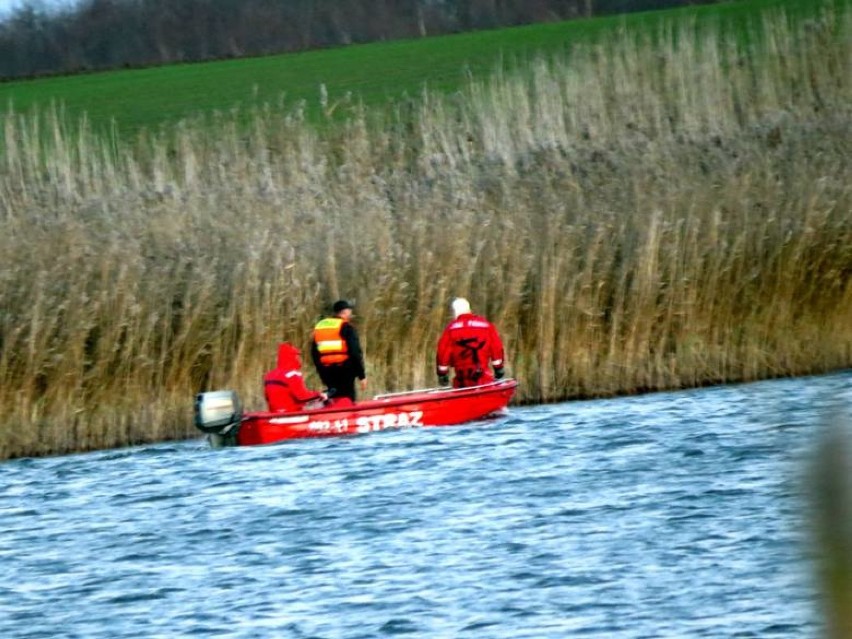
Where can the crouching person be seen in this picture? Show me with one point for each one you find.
(284, 385)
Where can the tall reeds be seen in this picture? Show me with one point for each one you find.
(655, 212)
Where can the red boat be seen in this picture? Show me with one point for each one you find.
(218, 414)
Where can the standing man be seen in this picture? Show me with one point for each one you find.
(468, 344)
(337, 354)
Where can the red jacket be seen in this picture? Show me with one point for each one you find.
(468, 344)
(284, 386)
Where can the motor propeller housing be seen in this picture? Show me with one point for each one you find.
(217, 412)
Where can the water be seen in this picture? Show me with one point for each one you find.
(666, 515)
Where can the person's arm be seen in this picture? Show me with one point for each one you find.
(442, 357)
(300, 392)
(353, 349)
(497, 353)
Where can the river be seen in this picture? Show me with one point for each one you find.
(675, 514)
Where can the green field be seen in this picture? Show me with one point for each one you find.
(373, 74)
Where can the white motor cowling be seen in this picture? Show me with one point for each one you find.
(217, 412)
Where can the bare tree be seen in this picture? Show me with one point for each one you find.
(102, 34)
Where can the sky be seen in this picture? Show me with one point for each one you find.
(6, 6)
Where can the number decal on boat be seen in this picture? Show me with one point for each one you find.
(329, 426)
(405, 419)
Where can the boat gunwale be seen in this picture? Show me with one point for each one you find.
(393, 400)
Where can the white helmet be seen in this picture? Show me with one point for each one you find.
(460, 306)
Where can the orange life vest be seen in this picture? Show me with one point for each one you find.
(331, 346)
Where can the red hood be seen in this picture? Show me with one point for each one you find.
(288, 357)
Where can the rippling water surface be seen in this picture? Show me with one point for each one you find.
(666, 515)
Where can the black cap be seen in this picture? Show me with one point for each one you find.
(340, 305)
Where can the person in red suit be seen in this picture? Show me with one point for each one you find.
(284, 386)
(468, 344)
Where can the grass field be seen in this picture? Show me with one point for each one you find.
(659, 209)
(373, 74)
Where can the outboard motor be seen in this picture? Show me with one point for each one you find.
(218, 413)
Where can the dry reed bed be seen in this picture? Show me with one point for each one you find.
(640, 216)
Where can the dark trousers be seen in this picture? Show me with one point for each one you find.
(340, 378)
(471, 377)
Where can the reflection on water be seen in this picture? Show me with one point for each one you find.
(666, 515)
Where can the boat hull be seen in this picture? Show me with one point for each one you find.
(431, 407)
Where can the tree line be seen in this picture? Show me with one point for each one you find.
(93, 35)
